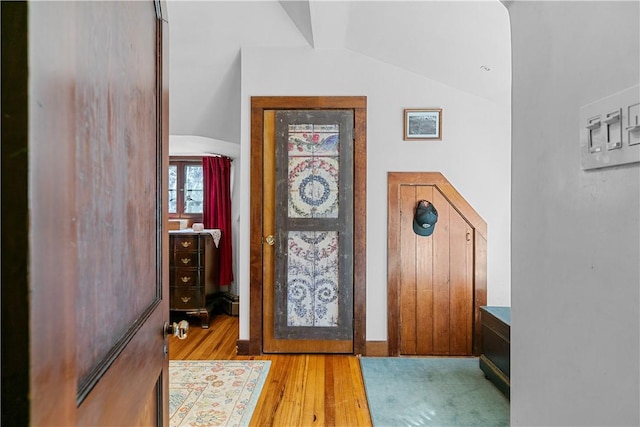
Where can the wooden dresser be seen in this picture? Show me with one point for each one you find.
(194, 272)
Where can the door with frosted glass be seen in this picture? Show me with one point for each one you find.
(308, 294)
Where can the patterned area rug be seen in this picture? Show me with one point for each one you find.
(214, 392)
(423, 391)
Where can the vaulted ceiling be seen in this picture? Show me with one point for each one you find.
(463, 44)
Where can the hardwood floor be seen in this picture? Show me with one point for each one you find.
(301, 390)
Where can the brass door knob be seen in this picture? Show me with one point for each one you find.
(179, 330)
(270, 240)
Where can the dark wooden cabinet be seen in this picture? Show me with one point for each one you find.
(496, 346)
(194, 272)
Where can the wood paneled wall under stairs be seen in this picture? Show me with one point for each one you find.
(436, 283)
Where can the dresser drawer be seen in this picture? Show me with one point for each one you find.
(185, 259)
(186, 298)
(185, 243)
(185, 277)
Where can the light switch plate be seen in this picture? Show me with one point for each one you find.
(633, 124)
(616, 141)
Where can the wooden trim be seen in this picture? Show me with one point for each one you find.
(162, 37)
(393, 267)
(15, 223)
(377, 349)
(308, 102)
(480, 289)
(338, 339)
(436, 179)
(268, 225)
(258, 106)
(256, 230)
(181, 164)
(360, 228)
(243, 348)
(50, 244)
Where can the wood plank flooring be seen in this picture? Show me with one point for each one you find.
(300, 390)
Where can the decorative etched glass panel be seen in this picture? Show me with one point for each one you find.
(313, 187)
(312, 278)
(313, 172)
(310, 139)
(193, 189)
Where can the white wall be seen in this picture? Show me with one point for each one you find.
(474, 154)
(205, 40)
(575, 336)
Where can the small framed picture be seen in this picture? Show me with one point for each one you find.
(424, 123)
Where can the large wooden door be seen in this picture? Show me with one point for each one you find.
(437, 283)
(86, 148)
(307, 250)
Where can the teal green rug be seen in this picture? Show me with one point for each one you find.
(426, 391)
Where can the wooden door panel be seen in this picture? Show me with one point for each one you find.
(96, 133)
(436, 283)
(424, 281)
(441, 284)
(408, 281)
(120, 310)
(130, 392)
(461, 264)
(116, 187)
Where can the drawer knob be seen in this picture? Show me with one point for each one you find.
(179, 330)
(185, 279)
(185, 299)
(185, 244)
(185, 260)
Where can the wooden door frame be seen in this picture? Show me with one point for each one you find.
(479, 226)
(358, 104)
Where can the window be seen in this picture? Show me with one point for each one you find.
(186, 189)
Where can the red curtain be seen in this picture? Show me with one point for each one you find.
(217, 209)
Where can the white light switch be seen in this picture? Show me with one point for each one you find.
(633, 124)
(610, 130)
(614, 129)
(595, 134)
